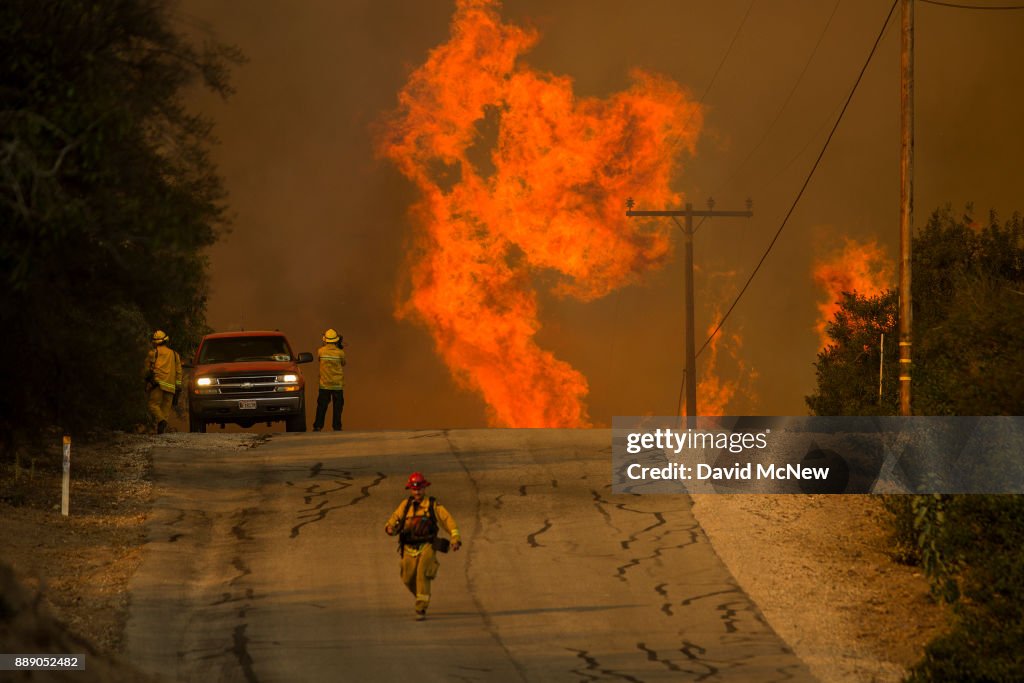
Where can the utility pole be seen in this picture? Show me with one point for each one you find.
(689, 212)
(906, 195)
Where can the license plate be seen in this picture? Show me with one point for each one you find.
(247, 405)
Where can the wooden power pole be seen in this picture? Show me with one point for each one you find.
(906, 196)
(689, 212)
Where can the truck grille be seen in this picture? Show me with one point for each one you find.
(247, 385)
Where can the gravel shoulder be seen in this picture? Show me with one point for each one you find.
(818, 568)
(816, 565)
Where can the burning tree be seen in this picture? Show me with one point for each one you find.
(968, 295)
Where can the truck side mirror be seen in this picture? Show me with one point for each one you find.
(305, 357)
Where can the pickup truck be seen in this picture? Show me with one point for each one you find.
(244, 378)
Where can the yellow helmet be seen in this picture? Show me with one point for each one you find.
(160, 337)
(331, 336)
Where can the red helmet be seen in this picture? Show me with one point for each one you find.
(417, 481)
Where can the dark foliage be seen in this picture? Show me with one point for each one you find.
(848, 369)
(968, 300)
(985, 537)
(107, 202)
(970, 318)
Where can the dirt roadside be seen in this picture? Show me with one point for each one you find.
(815, 565)
(818, 568)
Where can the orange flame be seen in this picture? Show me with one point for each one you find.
(715, 393)
(519, 177)
(862, 268)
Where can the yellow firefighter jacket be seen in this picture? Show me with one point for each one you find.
(165, 365)
(332, 360)
(414, 513)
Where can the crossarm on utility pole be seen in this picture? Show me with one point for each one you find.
(689, 213)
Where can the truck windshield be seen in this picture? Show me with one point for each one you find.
(241, 349)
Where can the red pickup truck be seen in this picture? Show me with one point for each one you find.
(244, 378)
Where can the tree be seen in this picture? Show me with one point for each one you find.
(107, 201)
(968, 297)
(848, 368)
(970, 318)
(985, 537)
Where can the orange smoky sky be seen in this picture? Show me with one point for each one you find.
(331, 232)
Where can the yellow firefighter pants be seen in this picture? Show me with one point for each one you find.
(160, 403)
(418, 571)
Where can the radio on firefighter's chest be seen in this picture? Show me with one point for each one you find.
(419, 523)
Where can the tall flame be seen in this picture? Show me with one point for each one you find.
(519, 177)
(717, 393)
(859, 267)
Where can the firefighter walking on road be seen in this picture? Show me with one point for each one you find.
(416, 522)
(163, 379)
(332, 380)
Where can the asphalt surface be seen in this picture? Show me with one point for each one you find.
(271, 564)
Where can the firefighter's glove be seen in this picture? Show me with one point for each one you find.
(456, 544)
(389, 530)
(174, 401)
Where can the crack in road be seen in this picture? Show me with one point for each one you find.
(652, 656)
(731, 609)
(599, 503)
(693, 659)
(426, 435)
(320, 511)
(620, 572)
(634, 536)
(489, 626)
(239, 531)
(593, 664)
(241, 651)
(532, 538)
(243, 570)
(666, 607)
(175, 537)
(522, 489)
(228, 598)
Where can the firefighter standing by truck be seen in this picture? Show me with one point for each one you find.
(416, 522)
(332, 380)
(163, 379)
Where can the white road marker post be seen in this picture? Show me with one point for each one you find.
(65, 491)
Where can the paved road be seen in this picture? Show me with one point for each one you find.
(270, 564)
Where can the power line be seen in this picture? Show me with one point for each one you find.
(689, 213)
(810, 139)
(778, 114)
(957, 6)
(727, 51)
(807, 180)
(792, 91)
(721, 62)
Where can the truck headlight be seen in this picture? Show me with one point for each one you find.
(290, 378)
(204, 381)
